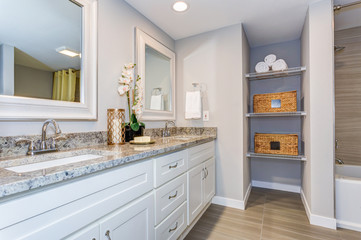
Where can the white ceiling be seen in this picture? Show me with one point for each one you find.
(347, 17)
(265, 21)
(38, 27)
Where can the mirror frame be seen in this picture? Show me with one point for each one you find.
(24, 108)
(143, 39)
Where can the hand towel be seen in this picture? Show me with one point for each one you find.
(262, 67)
(269, 59)
(156, 102)
(193, 105)
(279, 65)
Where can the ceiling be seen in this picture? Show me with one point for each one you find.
(36, 39)
(265, 21)
(347, 17)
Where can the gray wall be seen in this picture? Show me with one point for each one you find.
(31, 82)
(281, 174)
(318, 171)
(116, 23)
(215, 59)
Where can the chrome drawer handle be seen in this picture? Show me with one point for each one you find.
(172, 229)
(206, 172)
(170, 197)
(174, 166)
(108, 234)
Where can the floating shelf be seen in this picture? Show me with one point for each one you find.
(277, 114)
(276, 74)
(276, 156)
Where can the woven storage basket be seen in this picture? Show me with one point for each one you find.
(275, 102)
(284, 144)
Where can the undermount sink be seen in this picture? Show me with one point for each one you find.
(41, 162)
(52, 163)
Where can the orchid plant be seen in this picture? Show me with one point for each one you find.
(126, 82)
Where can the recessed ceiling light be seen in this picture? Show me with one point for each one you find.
(180, 6)
(67, 51)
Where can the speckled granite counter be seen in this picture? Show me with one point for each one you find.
(111, 156)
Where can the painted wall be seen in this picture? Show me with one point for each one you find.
(116, 23)
(31, 82)
(305, 61)
(279, 174)
(6, 69)
(318, 172)
(245, 122)
(215, 59)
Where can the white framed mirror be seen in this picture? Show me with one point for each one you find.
(156, 66)
(48, 52)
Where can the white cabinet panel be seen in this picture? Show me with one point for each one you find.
(195, 192)
(173, 226)
(209, 180)
(169, 166)
(200, 153)
(169, 197)
(90, 233)
(132, 222)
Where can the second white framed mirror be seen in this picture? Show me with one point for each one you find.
(156, 66)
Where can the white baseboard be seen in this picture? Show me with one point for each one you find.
(349, 225)
(317, 219)
(276, 186)
(233, 203)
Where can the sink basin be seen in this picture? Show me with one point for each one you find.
(52, 163)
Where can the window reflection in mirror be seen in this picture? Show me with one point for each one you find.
(34, 35)
(158, 94)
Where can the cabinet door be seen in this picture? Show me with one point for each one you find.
(132, 222)
(89, 233)
(209, 180)
(195, 192)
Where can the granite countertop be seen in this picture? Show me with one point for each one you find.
(111, 156)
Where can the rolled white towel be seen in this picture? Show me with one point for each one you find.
(270, 59)
(262, 67)
(279, 65)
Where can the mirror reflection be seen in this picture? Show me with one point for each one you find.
(40, 58)
(158, 90)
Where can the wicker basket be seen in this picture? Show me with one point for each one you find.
(275, 102)
(284, 144)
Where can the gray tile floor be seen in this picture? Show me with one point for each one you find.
(270, 214)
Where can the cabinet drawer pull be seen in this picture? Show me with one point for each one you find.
(173, 229)
(107, 233)
(94, 239)
(170, 197)
(206, 172)
(174, 166)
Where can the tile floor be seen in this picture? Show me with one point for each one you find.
(270, 214)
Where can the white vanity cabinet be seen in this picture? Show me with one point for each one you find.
(154, 199)
(60, 211)
(201, 179)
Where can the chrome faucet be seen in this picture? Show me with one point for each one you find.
(166, 131)
(43, 132)
(339, 161)
(32, 150)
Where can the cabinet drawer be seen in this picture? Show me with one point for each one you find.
(199, 154)
(169, 197)
(173, 226)
(169, 167)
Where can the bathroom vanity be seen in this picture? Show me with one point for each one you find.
(130, 192)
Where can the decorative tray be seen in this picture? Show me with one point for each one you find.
(141, 143)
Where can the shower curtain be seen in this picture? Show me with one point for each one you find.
(64, 84)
